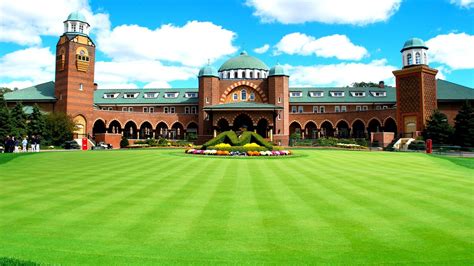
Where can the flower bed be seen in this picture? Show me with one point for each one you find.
(237, 153)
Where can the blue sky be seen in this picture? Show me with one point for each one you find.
(163, 43)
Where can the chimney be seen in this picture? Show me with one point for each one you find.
(95, 86)
(381, 84)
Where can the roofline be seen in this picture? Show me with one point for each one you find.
(411, 47)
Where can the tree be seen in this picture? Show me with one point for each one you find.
(4, 90)
(364, 84)
(438, 129)
(464, 126)
(5, 120)
(59, 128)
(18, 121)
(37, 122)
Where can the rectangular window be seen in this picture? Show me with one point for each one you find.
(151, 95)
(171, 94)
(186, 110)
(130, 95)
(279, 99)
(385, 107)
(316, 94)
(111, 95)
(300, 109)
(110, 108)
(337, 93)
(207, 99)
(81, 87)
(166, 110)
(379, 93)
(322, 109)
(358, 108)
(104, 108)
(296, 94)
(365, 108)
(343, 108)
(337, 108)
(130, 109)
(124, 109)
(151, 109)
(358, 93)
(193, 110)
(191, 95)
(145, 109)
(294, 109)
(172, 110)
(378, 107)
(315, 109)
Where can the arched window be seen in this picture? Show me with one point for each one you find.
(231, 74)
(252, 96)
(258, 75)
(244, 74)
(243, 95)
(251, 75)
(426, 61)
(409, 61)
(417, 58)
(235, 96)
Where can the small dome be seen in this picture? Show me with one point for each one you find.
(414, 43)
(243, 61)
(207, 71)
(78, 16)
(277, 70)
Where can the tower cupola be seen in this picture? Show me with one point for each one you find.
(414, 52)
(76, 23)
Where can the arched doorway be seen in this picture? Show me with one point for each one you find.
(342, 129)
(99, 127)
(177, 131)
(358, 129)
(146, 131)
(374, 126)
(191, 131)
(262, 127)
(310, 130)
(130, 130)
(390, 126)
(81, 126)
(115, 127)
(243, 121)
(295, 127)
(222, 125)
(327, 130)
(162, 130)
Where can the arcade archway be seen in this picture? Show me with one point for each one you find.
(262, 127)
(358, 129)
(99, 127)
(243, 121)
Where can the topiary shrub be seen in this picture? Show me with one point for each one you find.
(124, 142)
(230, 137)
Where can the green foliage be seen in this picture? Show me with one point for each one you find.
(438, 129)
(59, 128)
(417, 145)
(16, 262)
(191, 136)
(364, 84)
(162, 141)
(37, 122)
(464, 126)
(230, 137)
(124, 142)
(4, 90)
(18, 119)
(5, 119)
(332, 142)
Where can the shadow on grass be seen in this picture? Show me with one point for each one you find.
(465, 162)
(6, 157)
(12, 261)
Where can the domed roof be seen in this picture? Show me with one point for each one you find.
(76, 15)
(277, 70)
(414, 43)
(207, 71)
(243, 61)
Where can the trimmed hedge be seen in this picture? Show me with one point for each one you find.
(230, 137)
(16, 262)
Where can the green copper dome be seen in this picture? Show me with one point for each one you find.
(414, 43)
(243, 61)
(208, 71)
(277, 70)
(76, 16)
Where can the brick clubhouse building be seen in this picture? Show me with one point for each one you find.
(244, 91)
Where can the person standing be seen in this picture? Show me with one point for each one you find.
(7, 144)
(38, 142)
(24, 144)
(14, 145)
(33, 143)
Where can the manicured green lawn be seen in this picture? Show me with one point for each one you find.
(161, 206)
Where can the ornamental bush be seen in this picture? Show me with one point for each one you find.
(231, 138)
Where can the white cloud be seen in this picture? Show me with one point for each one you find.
(262, 50)
(454, 50)
(27, 67)
(359, 12)
(336, 45)
(341, 74)
(24, 22)
(463, 3)
(127, 74)
(192, 44)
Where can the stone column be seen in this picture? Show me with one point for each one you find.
(271, 134)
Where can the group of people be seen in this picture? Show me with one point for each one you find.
(12, 144)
